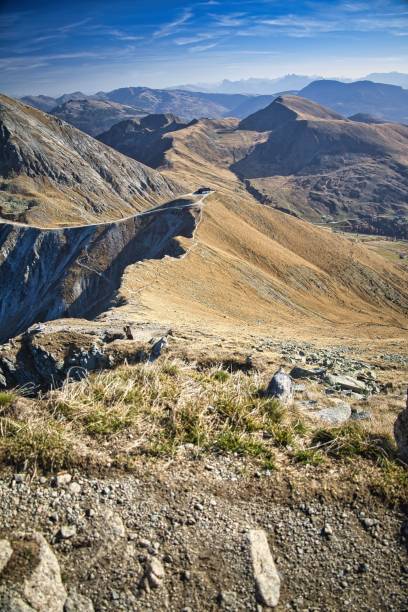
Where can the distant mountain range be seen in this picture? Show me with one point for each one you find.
(185, 104)
(254, 86)
(288, 82)
(382, 101)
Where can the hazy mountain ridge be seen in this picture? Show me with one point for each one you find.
(388, 102)
(94, 116)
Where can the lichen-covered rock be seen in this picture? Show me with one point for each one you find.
(281, 386)
(30, 580)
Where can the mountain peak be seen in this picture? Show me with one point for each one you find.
(283, 109)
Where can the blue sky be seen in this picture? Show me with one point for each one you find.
(95, 45)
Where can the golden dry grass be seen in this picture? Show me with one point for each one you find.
(114, 418)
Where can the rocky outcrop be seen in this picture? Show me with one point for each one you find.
(45, 356)
(143, 139)
(75, 272)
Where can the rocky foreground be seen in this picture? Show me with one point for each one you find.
(173, 481)
(176, 536)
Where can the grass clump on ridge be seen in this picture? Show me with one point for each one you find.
(149, 409)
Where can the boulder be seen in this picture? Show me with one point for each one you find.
(401, 433)
(281, 386)
(345, 382)
(299, 372)
(338, 413)
(30, 580)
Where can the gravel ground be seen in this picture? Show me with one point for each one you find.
(335, 548)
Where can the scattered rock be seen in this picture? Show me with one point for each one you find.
(66, 532)
(62, 479)
(155, 572)
(345, 382)
(157, 349)
(299, 372)
(33, 581)
(5, 553)
(338, 413)
(281, 386)
(265, 573)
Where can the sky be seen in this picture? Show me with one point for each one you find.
(54, 47)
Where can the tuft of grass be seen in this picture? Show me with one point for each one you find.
(40, 442)
(391, 482)
(309, 457)
(153, 409)
(351, 440)
(221, 375)
(6, 398)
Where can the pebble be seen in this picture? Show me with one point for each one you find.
(67, 531)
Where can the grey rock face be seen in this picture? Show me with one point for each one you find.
(34, 585)
(281, 386)
(75, 272)
(401, 433)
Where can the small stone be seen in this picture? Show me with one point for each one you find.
(327, 531)
(75, 488)
(62, 480)
(5, 553)
(281, 387)
(19, 478)
(155, 572)
(185, 575)
(67, 531)
(368, 522)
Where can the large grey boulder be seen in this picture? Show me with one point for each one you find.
(345, 382)
(30, 579)
(401, 433)
(281, 387)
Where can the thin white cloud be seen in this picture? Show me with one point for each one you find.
(201, 48)
(169, 28)
(189, 40)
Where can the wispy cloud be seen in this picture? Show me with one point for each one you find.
(230, 20)
(172, 26)
(189, 40)
(201, 48)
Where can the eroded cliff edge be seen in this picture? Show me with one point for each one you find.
(75, 272)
